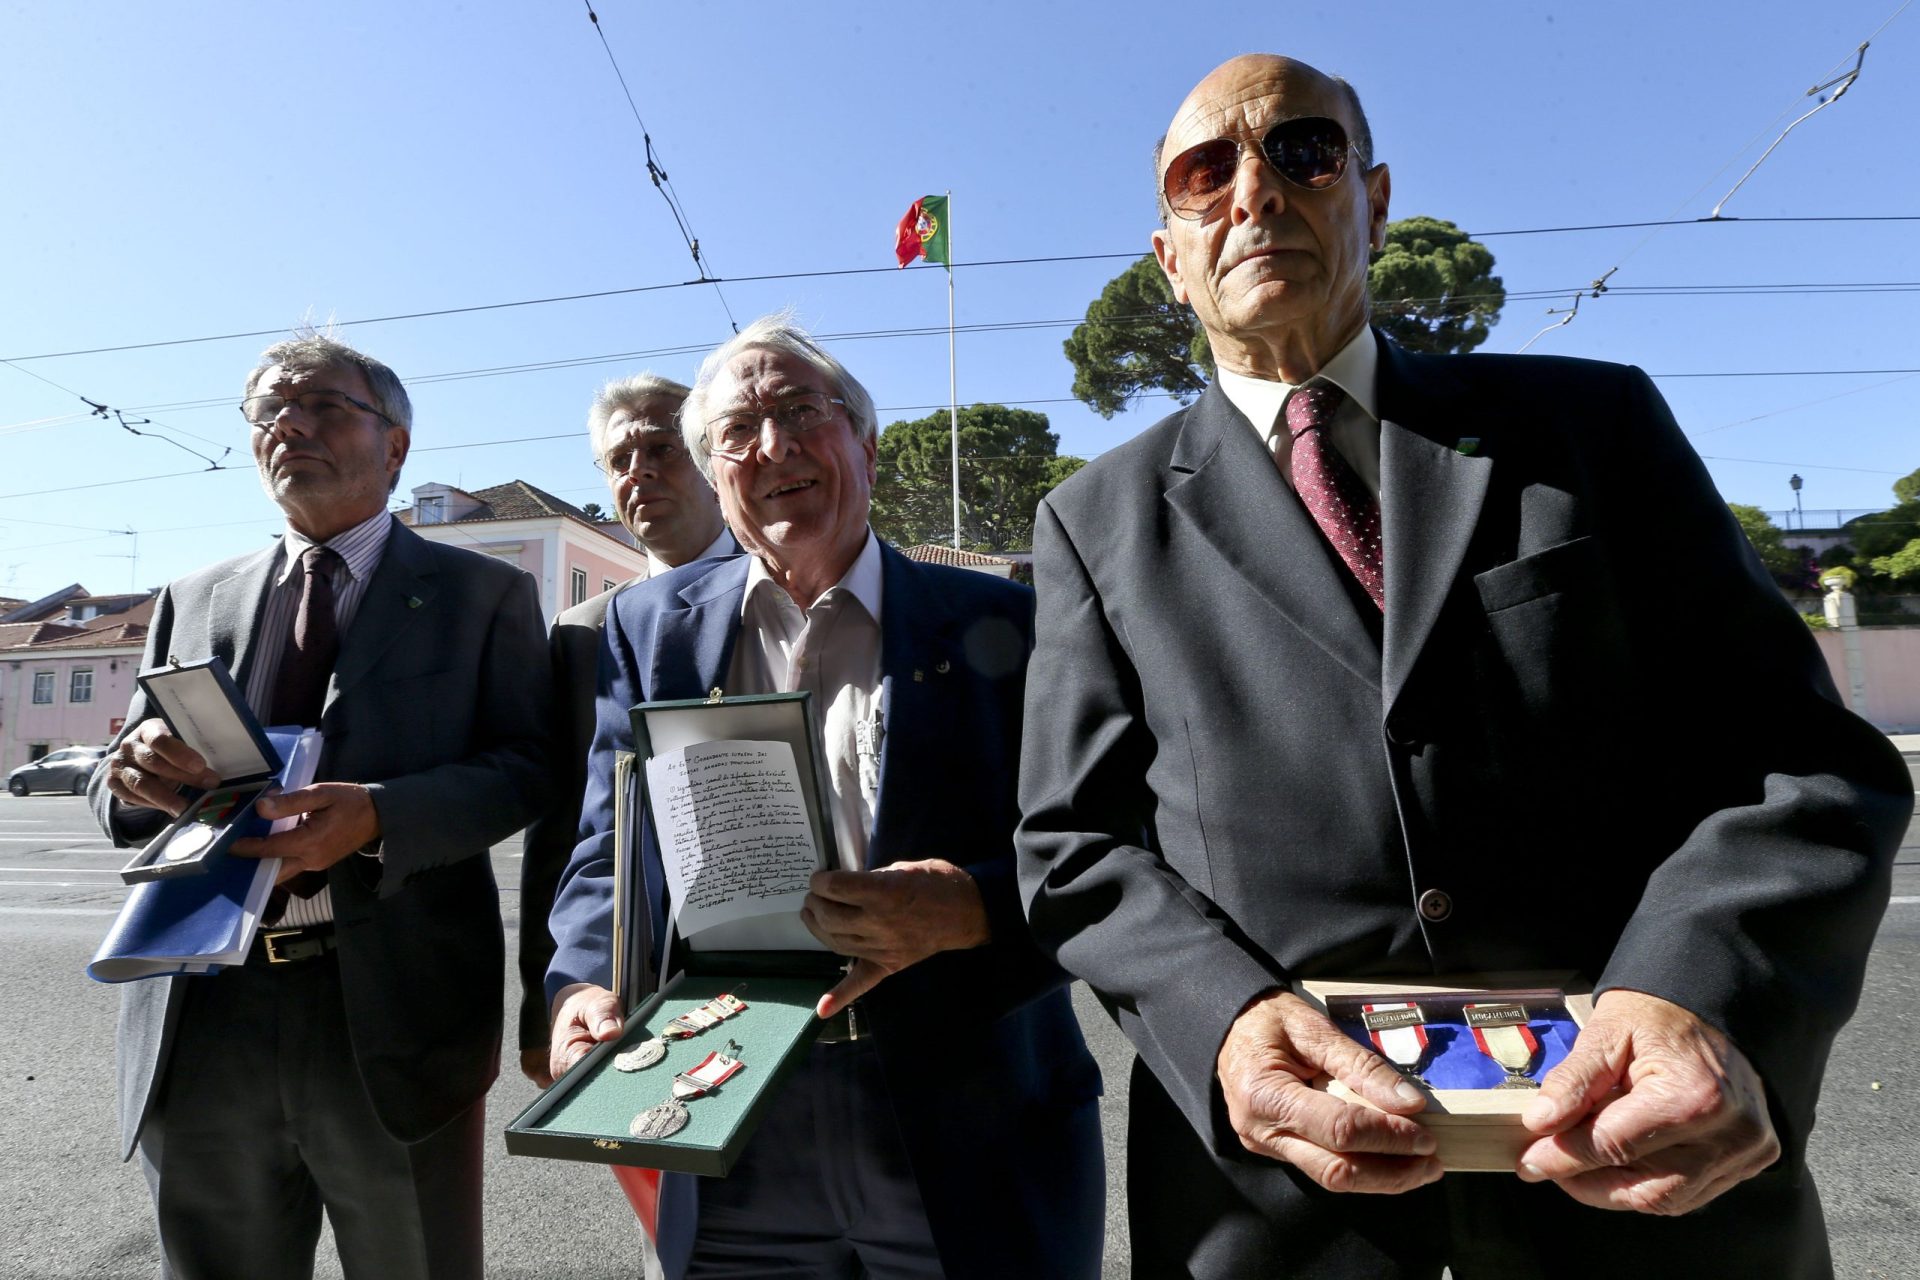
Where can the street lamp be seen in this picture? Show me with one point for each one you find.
(1795, 482)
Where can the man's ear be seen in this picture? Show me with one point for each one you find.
(1379, 193)
(399, 440)
(1169, 259)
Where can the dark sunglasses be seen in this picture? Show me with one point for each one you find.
(1307, 151)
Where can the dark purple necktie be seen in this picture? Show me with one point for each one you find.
(300, 686)
(1332, 493)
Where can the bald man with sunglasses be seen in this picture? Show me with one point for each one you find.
(1339, 673)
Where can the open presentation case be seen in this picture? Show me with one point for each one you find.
(735, 791)
(1478, 1045)
(205, 709)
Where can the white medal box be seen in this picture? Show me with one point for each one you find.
(775, 831)
(204, 709)
(1477, 1045)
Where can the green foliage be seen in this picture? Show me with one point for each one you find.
(1433, 287)
(594, 511)
(1883, 532)
(1136, 338)
(1902, 566)
(1907, 487)
(1009, 460)
(1818, 621)
(1838, 554)
(1433, 290)
(1779, 559)
(1846, 576)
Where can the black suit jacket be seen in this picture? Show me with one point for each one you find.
(1590, 720)
(437, 703)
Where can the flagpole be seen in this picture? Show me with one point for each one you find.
(953, 384)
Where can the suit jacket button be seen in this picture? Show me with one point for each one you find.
(1436, 905)
(1400, 733)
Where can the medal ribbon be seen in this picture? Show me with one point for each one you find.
(714, 1070)
(1402, 1046)
(711, 1014)
(1514, 1047)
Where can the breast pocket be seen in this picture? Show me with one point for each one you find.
(1555, 618)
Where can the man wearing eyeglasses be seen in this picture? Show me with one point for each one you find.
(946, 1122)
(1339, 673)
(344, 1066)
(662, 499)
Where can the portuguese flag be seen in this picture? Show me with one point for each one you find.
(923, 233)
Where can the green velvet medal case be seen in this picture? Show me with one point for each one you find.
(774, 965)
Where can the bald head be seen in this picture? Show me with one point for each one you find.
(1274, 267)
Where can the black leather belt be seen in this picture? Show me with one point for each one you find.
(844, 1027)
(292, 946)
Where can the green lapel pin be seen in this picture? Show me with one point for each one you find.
(1468, 446)
(414, 602)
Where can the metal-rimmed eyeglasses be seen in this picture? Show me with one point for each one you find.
(1306, 151)
(654, 451)
(322, 404)
(735, 434)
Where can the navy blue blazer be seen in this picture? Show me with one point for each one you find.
(990, 1080)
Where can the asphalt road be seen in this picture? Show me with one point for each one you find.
(72, 1209)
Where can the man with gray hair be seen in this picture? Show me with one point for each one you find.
(664, 501)
(344, 1066)
(946, 1124)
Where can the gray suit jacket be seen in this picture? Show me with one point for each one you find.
(438, 704)
(1233, 776)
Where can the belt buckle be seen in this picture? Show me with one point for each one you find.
(270, 939)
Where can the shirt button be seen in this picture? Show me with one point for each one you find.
(1436, 905)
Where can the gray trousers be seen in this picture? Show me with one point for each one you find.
(261, 1124)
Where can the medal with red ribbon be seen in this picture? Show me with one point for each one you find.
(1501, 1031)
(1399, 1032)
(665, 1119)
(691, 1023)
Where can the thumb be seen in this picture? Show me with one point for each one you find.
(601, 1017)
(1361, 1070)
(1589, 1072)
(284, 804)
(862, 977)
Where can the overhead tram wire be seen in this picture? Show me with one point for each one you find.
(658, 174)
(829, 273)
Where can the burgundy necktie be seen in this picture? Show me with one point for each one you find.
(300, 686)
(1332, 493)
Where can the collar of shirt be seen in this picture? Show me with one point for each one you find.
(720, 546)
(1356, 427)
(359, 547)
(861, 582)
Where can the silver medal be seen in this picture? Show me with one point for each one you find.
(641, 1056)
(661, 1121)
(188, 841)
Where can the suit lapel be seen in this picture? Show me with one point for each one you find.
(234, 612)
(1431, 495)
(1229, 492)
(693, 646)
(403, 585)
(917, 659)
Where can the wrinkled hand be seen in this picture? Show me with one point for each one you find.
(1273, 1053)
(336, 818)
(1653, 1111)
(534, 1066)
(584, 1015)
(150, 766)
(891, 918)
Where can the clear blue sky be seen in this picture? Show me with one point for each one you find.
(173, 171)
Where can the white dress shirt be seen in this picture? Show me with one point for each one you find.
(832, 649)
(1356, 424)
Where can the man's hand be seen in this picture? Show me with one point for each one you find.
(336, 818)
(534, 1065)
(1273, 1053)
(150, 766)
(891, 918)
(583, 1016)
(1653, 1111)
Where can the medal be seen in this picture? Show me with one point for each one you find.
(1502, 1033)
(1399, 1032)
(691, 1023)
(665, 1119)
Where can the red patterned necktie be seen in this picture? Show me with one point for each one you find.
(1333, 495)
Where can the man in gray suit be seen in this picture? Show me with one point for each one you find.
(668, 506)
(1339, 673)
(345, 1065)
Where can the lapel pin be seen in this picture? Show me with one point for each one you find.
(918, 675)
(1468, 446)
(414, 602)
(943, 666)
